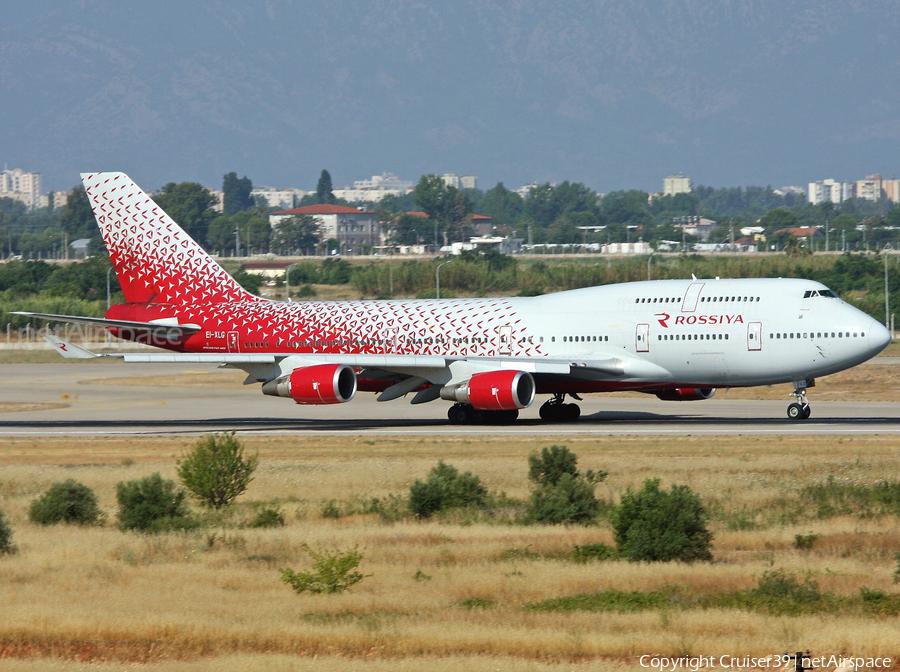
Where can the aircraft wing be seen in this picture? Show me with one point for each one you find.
(434, 368)
(162, 328)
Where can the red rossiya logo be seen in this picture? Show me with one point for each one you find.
(663, 318)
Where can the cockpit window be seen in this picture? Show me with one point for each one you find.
(827, 293)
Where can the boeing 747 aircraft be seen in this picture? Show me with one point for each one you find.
(676, 339)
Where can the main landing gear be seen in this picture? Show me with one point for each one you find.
(556, 410)
(799, 410)
(465, 414)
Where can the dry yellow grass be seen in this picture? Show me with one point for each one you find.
(174, 602)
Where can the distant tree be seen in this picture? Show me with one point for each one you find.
(445, 205)
(296, 234)
(778, 219)
(78, 217)
(408, 228)
(561, 495)
(324, 192)
(625, 207)
(220, 236)
(503, 206)
(236, 194)
(189, 204)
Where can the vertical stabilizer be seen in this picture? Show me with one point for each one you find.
(155, 260)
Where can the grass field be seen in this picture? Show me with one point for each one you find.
(455, 593)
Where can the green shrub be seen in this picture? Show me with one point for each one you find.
(658, 526)
(6, 545)
(445, 488)
(215, 472)
(897, 570)
(66, 502)
(330, 509)
(152, 505)
(590, 552)
(805, 542)
(267, 517)
(334, 571)
(562, 495)
(570, 501)
(549, 466)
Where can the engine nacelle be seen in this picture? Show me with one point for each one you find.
(687, 394)
(316, 385)
(493, 391)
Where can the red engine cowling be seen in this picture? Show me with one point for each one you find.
(493, 391)
(317, 385)
(687, 394)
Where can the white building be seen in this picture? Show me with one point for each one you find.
(869, 188)
(279, 198)
(451, 180)
(60, 198)
(677, 184)
(830, 190)
(21, 186)
(372, 191)
(353, 228)
(468, 182)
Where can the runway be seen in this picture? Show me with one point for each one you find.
(112, 398)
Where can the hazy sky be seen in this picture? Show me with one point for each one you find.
(610, 93)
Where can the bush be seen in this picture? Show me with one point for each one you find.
(805, 542)
(658, 526)
(6, 545)
(588, 552)
(570, 500)
(334, 571)
(152, 505)
(268, 517)
(215, 471)
(445, 488)
(548, 467)
(66, 502)
(563, 495)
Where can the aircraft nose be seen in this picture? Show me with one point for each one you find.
(879, 337)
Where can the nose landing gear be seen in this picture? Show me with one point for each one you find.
(800, 410)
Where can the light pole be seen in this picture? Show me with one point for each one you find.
(887, 291)
(437, 277)
(108, 302)
(648, 265)
(287, 280)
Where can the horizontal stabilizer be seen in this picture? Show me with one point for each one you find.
(161, 329)
(69, 350)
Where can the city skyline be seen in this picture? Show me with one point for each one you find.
(613, 96)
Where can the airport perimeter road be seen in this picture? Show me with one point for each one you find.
(108, 397)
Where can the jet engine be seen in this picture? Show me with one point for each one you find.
(686, 393)
(493, 391)
(319, 384)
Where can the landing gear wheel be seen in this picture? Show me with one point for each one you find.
(464, 414)
(453, 414)
(800, 410)
(556, 410)
(796, 412)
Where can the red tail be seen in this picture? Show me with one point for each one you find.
(155, 260)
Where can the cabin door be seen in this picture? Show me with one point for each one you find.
(754, 336)
(505, 341)
(642, 338)
(233, 343)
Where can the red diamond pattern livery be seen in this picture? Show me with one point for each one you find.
(165, 275)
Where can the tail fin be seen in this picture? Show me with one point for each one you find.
(155, 260)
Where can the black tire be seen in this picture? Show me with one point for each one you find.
(573, 412)
(453, 414)
(795, 412)
(548, 413)
(806, 412)
(464, 415)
